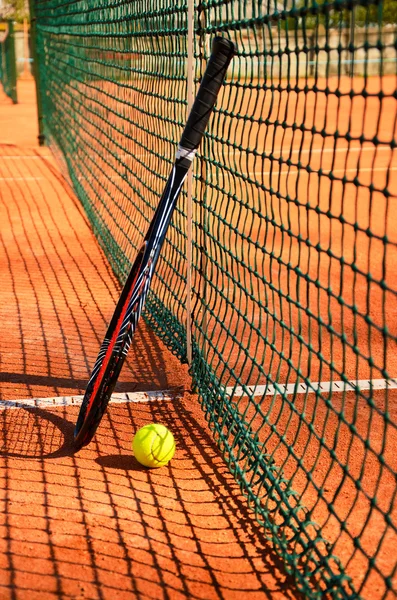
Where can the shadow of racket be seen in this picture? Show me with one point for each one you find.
(31, 432)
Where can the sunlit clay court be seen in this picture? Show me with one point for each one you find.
(198, 300)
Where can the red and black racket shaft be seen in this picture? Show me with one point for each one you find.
(125, 317)
(129, 307)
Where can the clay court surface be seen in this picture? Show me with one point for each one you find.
(97, 525)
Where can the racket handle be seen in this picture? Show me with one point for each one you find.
(221, 55)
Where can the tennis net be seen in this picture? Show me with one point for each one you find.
(277, 277)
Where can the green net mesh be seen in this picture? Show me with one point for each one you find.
(8, 71)
(293, 295)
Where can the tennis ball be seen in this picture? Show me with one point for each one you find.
(153, 445)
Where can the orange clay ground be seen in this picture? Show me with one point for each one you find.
(97, 525)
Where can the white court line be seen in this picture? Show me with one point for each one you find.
(169, 396)
(294, 169)
(234, 151)
(276, 153)
(288, 171)
(322, 386)
(22, 178)
(27, 157)
(129, 397)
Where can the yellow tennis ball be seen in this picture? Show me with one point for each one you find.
(153, 445)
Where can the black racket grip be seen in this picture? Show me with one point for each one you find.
(221, 55)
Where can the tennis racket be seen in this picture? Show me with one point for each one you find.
(132, 300)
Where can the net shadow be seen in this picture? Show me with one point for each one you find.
(59, 292)
(99, 525)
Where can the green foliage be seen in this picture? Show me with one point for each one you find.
(382, 13)
(17, 10)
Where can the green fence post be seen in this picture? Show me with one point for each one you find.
(12, 63)
(8, 71)
(36, 70)
(2, 63)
